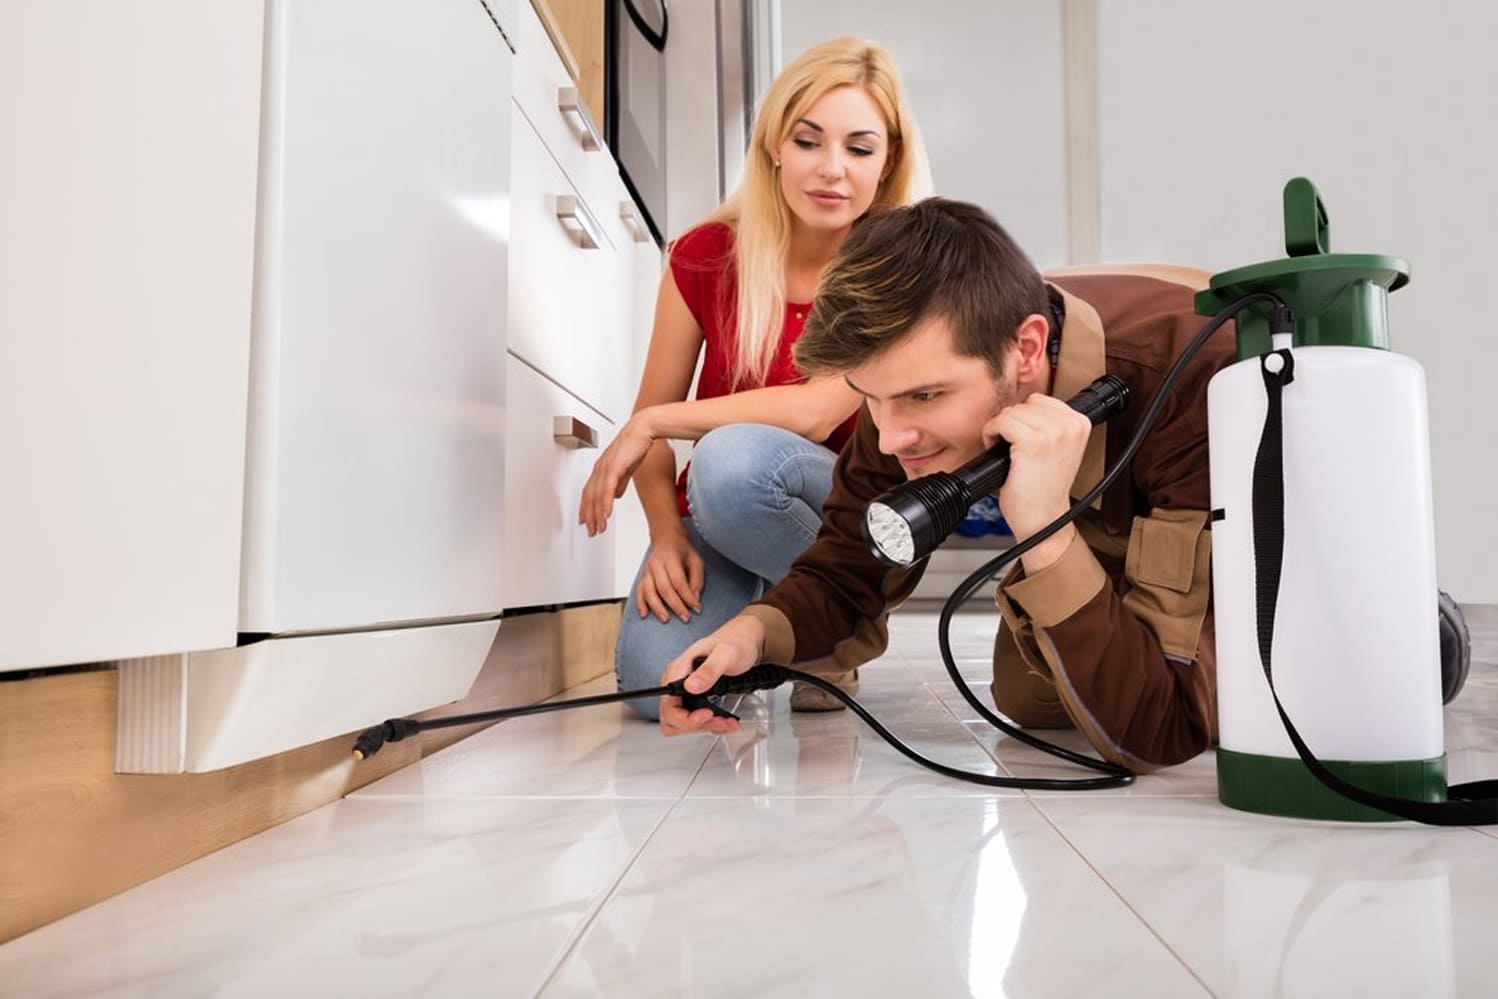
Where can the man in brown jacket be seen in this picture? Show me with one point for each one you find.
(953, 339)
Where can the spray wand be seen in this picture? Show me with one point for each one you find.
(765, 676)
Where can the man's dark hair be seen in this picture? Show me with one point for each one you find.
(903, 266)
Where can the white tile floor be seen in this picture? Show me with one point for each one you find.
(580, 854)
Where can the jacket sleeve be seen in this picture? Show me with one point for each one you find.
(1132, 654)
(827, 615)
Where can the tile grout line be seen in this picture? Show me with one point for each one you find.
(1003, 768)
(607, 895)
(1035, 803)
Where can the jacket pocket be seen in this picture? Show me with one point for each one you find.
(1163, 549)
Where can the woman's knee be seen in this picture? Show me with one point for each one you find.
(727, 460)
(746, 466)
(638, 659)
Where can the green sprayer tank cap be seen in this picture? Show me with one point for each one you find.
(1340, 299)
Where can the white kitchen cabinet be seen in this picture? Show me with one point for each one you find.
(373, 529)
(127, 223)
(549, 98)
(552, 559)
(375, 488)
(579, 327)
(372, 565)
(553, 441)
(253, 297)
(564, 289)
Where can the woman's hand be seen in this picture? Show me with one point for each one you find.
(671, 580)
(611, 474)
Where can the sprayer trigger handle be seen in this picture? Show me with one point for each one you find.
(691, 701)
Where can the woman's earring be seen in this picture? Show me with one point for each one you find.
(777, 164)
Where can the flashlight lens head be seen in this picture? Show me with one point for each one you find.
(890, 533)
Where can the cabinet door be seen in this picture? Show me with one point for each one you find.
(376, 475)
(551, 558)
(127, 228)
(564, 318)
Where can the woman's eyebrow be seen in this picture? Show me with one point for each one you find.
(818, 128)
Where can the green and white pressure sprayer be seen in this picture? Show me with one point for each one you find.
(1323, 545)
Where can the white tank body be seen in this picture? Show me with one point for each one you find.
(1356, 653)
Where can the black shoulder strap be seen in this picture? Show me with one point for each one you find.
(1471, 804)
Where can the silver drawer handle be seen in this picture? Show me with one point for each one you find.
(570, 102)
(632, 221)
(569, 431)
(578, 221)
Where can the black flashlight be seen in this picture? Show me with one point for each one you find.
(905, 524)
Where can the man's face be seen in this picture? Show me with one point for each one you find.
(929, 402)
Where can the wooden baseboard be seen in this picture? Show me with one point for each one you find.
(73, 832)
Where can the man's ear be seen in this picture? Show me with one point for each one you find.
(1032, 364)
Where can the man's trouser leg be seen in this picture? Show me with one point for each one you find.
(1024, 693)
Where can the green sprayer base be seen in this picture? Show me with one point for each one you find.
(1274, 785)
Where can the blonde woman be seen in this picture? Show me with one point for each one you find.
(833, 141)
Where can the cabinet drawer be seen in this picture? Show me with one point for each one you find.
(565, 317)
(540, 80)
(549, 558)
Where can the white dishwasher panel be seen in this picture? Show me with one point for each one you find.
(376, 469)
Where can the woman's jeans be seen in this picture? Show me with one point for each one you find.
(756, 494)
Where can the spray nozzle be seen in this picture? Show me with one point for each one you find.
(371, 740)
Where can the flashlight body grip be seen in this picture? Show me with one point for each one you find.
(906, 523)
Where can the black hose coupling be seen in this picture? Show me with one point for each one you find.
(765, 676)
(371, 740)
(1281, 319)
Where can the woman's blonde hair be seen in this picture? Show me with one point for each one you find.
(757, 211)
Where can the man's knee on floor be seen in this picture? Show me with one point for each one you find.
(1032, 705)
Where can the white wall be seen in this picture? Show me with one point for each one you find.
(984, 79)
(1205, 109)
(1392, 109)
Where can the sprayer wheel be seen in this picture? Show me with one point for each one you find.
(1456, 648)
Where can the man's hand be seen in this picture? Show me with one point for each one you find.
(731, 650)
(612, 472)
(1046, 441)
